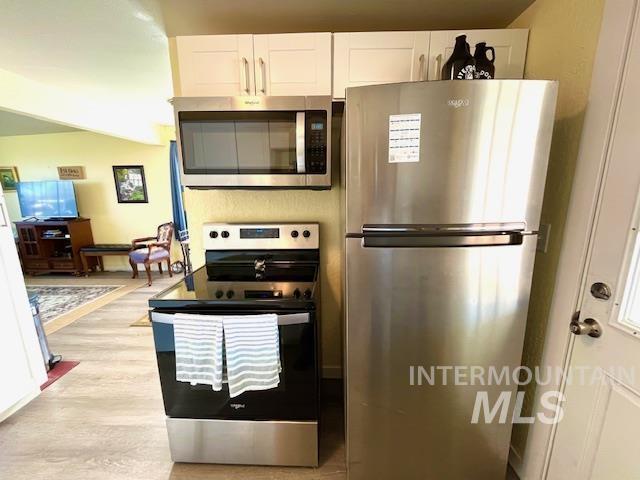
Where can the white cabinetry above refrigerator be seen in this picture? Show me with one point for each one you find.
(366, 58)
(510, 45)
(231, 65)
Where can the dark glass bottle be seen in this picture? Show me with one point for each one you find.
(485, 68)
(460, 65)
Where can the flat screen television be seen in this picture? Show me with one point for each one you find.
(48, 199)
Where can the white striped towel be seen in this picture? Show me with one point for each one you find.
(252, 347)
(198, 343)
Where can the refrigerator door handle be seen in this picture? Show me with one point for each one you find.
(426, 241)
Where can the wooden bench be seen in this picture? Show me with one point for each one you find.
(101, 251)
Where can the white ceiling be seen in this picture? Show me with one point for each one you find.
(16, 124)
(191, 17)
(113, 51)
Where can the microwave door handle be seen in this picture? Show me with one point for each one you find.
(300, 128)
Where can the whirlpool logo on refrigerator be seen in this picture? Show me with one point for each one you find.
(458, 102)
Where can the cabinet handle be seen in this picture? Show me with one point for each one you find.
(263, 72)
(246, 74)
(421, 68)
(438, 71)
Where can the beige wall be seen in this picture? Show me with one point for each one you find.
(562, 43)
(38, 156)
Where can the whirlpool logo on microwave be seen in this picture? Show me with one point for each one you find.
(458, 102)
(237, 406)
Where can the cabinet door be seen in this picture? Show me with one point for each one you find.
(215, 65)
(366, 58)
(293, 64)
(29, 242)
(510, 45)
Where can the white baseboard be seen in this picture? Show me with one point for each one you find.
(331, 371)
(515, 460)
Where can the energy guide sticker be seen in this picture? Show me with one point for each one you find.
(404, 138)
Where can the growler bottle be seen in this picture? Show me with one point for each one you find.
(460, 65)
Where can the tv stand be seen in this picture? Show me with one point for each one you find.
(53, 246)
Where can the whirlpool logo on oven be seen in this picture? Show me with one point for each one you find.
(458, 102)
(237, 406)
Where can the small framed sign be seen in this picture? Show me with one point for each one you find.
(131, 186)
(71, 173)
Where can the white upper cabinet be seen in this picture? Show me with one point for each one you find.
(365, 58)
(510, 46)
(293, 64)
(215, 65)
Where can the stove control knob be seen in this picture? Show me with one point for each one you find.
(219, 293)
(294, 233)
(225, 234)
(230, 294)
(307, 294)
(306, 234)
(213, 234)
(296, 293)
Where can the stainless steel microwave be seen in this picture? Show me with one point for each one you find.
(254, 142)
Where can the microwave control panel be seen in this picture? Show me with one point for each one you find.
(316, 141)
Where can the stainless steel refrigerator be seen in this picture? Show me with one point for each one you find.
(443, 189)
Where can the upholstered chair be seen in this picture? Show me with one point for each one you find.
(149, 250)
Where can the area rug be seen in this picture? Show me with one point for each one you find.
(59, 300)
(59, 370)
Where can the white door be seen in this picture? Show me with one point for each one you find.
(510, 46)
(21, 365)
(599, 436)
(293, 64)
(365, 58)
(215, 65)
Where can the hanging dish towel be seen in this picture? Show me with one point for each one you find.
(198, 343)
(252, 347)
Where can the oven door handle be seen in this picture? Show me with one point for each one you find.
(283, 320)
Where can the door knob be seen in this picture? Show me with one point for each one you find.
(588, 326)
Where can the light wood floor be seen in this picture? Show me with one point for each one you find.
(105, 419)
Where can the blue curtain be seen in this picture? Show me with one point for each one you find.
(179, 215)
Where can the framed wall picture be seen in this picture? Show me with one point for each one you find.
(131, 186)
(9, 178)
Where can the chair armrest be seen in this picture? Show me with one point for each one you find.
(165, 245)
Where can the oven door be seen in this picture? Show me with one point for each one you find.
(253, 141)
(295, 398)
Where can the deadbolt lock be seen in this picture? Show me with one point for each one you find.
(588, 326)
(601, 290)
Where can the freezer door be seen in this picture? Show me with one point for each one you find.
(460, 152)
(429, 307)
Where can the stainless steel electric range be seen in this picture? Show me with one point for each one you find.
(249, 269)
